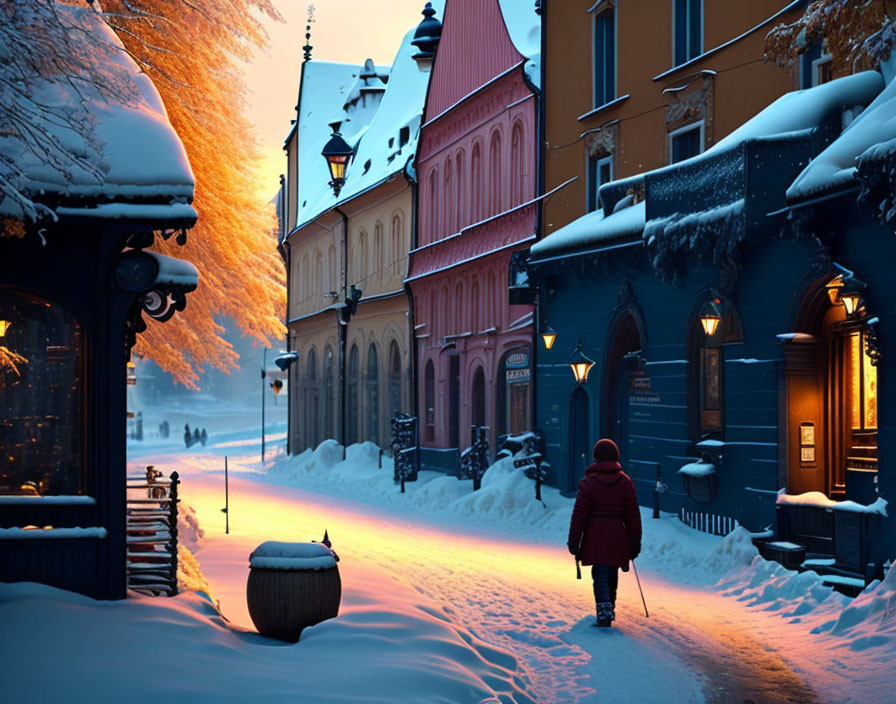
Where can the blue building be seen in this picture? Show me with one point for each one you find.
(735, 307)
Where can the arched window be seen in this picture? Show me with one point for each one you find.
(461, 215)
(394, 379)
(332, 281)
(475, 308)
(378, 250)
(312, 401)
(450, 223)
(329, 395)
(459, 308)
(42, 395)
(397, 251)
(492, 305)
(354, 371)
(516, 165)
(429, 400)
(496, 202)
(363, 263)
(318, 276)
(373, 395)
(435, 323)
(433, 205)
(445, 317)
(476, 184)
(306, 279)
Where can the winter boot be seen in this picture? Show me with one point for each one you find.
(605, 614)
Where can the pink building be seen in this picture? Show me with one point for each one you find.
(476, 169)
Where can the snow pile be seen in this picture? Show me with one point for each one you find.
(189, 532)
(195, 654)
(277, 555)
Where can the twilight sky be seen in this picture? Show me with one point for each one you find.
(347, 31)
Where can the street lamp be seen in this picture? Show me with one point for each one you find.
(338, 153)
(549, 336)
(710, 317)
(4, 326)
(580, 364)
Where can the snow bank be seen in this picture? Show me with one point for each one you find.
(195, 654)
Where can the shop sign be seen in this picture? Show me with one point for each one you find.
(517, 376)
(517, 360)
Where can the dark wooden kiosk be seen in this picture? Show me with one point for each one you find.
(74, 285)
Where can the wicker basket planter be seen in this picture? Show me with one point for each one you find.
(292, 586)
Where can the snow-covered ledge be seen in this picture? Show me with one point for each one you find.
(698, 469)
(35, 533)
(818, 499)
(43, 500)
(175, 272)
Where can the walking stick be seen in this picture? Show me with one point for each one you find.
(639, 589)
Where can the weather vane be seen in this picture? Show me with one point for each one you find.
(307, 48)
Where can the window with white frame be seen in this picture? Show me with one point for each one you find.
(687, 30)
(686, 142)
(600, 171)
(815, 66)
(604, 56)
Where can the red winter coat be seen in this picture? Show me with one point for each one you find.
(606, 517)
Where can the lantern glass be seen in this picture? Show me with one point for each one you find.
(549, 336)
(833, 288)
(710, 323)
(851, 301)
(337, 164)
(4, 326)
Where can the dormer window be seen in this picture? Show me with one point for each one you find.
(404, 136)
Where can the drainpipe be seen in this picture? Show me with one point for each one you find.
(415, 386)
(342, 322)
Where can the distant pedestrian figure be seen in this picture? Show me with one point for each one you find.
(605, 529)
(188, 436)
(196, 436)
(203, 437)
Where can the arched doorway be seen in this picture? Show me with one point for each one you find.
(831, 405)
(312, 407)
(580, 442)
(478, 397)
(354, 372)
(619, 369)
(373, 395)
(454, 401)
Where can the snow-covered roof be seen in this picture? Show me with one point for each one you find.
(864, 136)
(524, 28)
(378, 149)
(792, 115)
(140, 154)
(593, 228)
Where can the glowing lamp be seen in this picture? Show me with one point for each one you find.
(852, 301)
(549, 336)
(833, 288)
(277, 386)
(580, 364)
(338, 153)
(4, 326)
(710, 317)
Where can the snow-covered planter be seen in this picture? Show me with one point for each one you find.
(292, 586)
(699, 481)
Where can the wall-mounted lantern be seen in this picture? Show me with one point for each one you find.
(4, 326)
(710, 317)
(852, 301)
(548, 336)
(833, 288)
(338, 153)
(845, 290)
(580, 364)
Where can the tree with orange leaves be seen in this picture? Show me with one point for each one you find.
(859, 34)
(190, 49)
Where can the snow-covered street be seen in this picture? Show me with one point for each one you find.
(723, 625)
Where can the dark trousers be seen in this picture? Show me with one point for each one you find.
(606, 579)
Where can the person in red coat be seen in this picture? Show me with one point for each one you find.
(605, 529)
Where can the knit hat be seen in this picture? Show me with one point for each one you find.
(606, 451)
